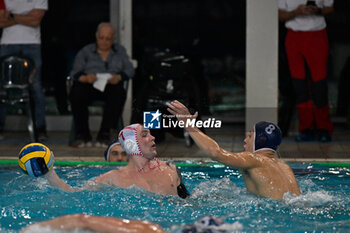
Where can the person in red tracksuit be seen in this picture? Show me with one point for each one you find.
(307, 41)
(2, 5)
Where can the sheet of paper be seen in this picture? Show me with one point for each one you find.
(101, 82)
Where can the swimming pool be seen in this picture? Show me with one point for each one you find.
(215, 190)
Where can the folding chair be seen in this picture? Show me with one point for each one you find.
(119, 125)
(15, 75)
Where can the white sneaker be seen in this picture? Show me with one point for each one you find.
(88, 144)
(101, 145)
(82, 144)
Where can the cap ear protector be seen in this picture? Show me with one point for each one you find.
(267, 136)
(260, 140)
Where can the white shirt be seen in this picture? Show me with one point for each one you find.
(21, 34)
(305, 22)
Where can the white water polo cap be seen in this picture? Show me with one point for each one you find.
(128, 139)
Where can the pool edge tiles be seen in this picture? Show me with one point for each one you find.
(181, 163)
(317, 160)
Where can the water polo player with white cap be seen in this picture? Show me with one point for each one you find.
(263, 172)
(130, 143)
(139, 144)
(143, 169)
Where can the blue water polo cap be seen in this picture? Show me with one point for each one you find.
(108, 150)
(267, 136)
(207, 224)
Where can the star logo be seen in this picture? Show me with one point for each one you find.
(156, 115)
(151, 120)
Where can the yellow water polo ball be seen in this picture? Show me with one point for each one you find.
(35, 159)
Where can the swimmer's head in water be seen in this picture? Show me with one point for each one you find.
(267, 136)
(128, 139)
(108, 150)
(208, 224)
(115, 152)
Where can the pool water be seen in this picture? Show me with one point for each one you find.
(324, 205)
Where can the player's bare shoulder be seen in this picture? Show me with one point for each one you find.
(169, 165)
(284, 166)
(111, 177)
(169, 168)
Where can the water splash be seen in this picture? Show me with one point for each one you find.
(223, 188)
(309, 199)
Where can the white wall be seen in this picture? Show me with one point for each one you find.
(121, 18)
(262, 60)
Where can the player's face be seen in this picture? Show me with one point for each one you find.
(249, 142)
(117, 154)
(146, 141)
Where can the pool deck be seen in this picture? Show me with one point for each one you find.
(230, 137)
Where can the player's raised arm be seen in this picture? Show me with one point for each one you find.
(209, 145)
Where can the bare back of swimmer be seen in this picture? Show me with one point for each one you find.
(96, 224)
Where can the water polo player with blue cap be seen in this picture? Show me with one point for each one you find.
(263, 172)
(115, 152)
(267, 136)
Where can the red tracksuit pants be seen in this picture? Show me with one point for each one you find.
(312, 95)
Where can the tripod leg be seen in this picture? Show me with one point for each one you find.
(188, 139)
(30, 121)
